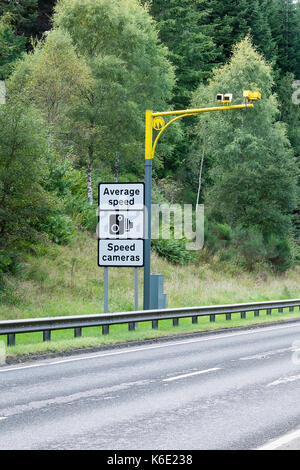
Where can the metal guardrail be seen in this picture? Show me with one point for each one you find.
(46, 325)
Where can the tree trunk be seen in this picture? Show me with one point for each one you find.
(200, 173)
(89, 175)
(117, 160)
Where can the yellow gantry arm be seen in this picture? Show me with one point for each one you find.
(156, 119)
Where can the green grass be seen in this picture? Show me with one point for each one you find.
(65, 280)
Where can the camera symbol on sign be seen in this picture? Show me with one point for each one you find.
(119, 224)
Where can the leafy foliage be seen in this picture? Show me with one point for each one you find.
(52, 76)
(11, 46)
(173, 250)
(60, 228)
(252, 168)
(23, 201)
(131, 72)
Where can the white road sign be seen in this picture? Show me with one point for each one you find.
(121, 196)
(127, 253)
(121, 224)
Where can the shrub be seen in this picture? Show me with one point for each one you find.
(279, 253)
(89, 218)
(296, 254)
(224, 232)
(9, 262)
(217, 236)
(248, 247)
(173, 250)
(251, 246)
(60, 228)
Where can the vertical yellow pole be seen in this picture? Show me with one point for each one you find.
(148, 135)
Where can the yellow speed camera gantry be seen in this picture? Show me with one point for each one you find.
(155, 122)
(247, 94)
(251, 96)
(225, 99)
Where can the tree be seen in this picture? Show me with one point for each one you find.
(23, 201)
(285, 23)
(185, 28)
(11, 46)
(31, 18)
(131, 73)
(289, 111)
(252, 168)
(23, 13)
(297, 40)
(257, 16)
(200, 35)
(52, 77)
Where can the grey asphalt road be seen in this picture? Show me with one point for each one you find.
(229, 390)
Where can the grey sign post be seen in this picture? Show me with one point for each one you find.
(147, 266)
(121, 227)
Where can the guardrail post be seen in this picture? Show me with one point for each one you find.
(291, 309)
(105, 329)
(280, 309)
(256, 313)
(131, 326)
(47, 335)
(194, 319)
(243, 315)
(269, 311)
(154, 324)
(228, 316)
(175, 321)
(212, 317)
(77, 332)
(11, 339)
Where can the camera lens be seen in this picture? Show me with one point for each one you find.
(114, 228)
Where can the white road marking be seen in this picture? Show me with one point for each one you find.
(21, 367)
(169, 379)
(146, 348)
(95, 393)
(2, 417)
(265, 354)
(284, 380)
(281, 441)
